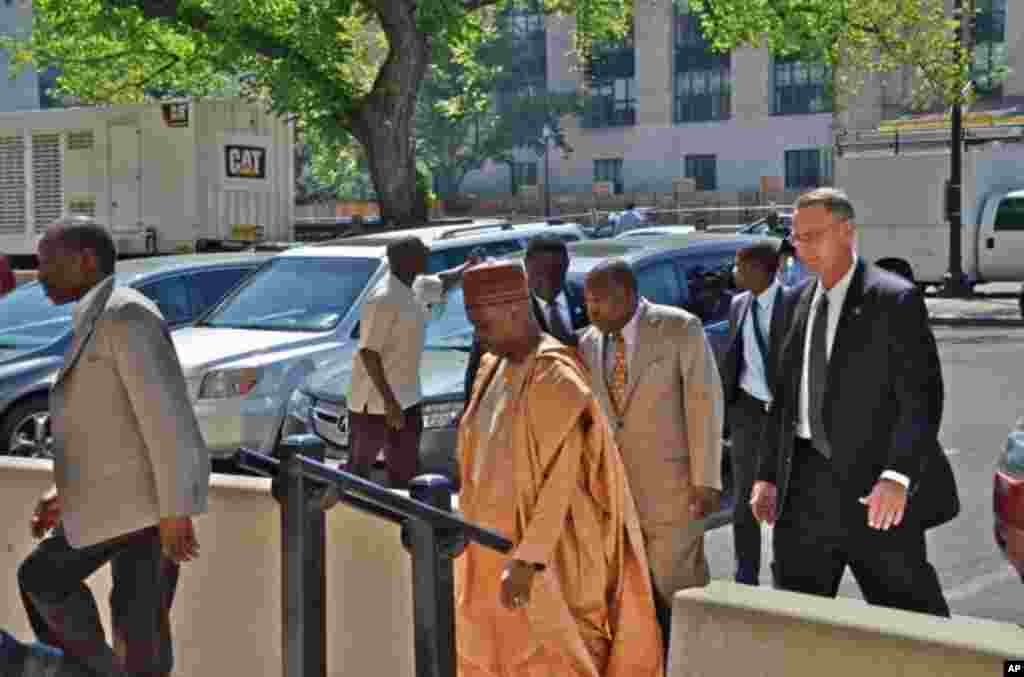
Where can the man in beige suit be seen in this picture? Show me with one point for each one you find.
(654, 373)
(130, 465)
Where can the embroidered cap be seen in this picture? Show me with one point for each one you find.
(495, 282)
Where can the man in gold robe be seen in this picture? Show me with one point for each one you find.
(539, 465)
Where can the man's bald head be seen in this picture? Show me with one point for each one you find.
(80, 234)
(73, 256)
(613, 273)
(611, 295)
(407, 257)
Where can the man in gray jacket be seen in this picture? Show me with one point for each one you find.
(130, 465)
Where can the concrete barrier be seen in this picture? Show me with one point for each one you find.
(731, 629)
(227, 614)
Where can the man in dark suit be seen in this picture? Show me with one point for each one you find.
(558, 310)
(854, 426)
(757, 322)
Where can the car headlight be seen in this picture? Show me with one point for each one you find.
(298, 417)
(226, 383)
(299, 406)
(442, 414)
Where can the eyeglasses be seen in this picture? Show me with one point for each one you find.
(811, 238)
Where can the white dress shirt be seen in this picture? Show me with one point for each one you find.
(628, 332)
(561, 304)
(836, 298)
(393, 324)
(754, 376)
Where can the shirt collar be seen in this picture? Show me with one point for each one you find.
(396, 283)
(766, 298)
(838, 292)
(82, 308)
(630, 328)
(559, 301)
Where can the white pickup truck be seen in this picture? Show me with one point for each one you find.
(899, 191)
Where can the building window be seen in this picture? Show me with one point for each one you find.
(612, 103)
(526, 75)
(703, 168)
(47, 88)
(611, 72)
(703, 79)
(801, 88)
(989, 48)
(808, 168)
(610, 171)
(523, 174)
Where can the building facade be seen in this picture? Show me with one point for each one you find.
(663, 106)
(21, 93)
(998, 72)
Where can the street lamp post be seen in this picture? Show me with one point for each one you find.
(546, 134)
(955, 283)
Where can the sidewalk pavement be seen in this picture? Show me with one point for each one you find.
(977, 311)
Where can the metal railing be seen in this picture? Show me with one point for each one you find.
(598, 221)
(431, 532)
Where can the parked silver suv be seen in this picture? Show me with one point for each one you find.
(299, 314)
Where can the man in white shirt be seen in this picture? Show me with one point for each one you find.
(384, 405)
(629, 219)
(851, 468)
(757, 324)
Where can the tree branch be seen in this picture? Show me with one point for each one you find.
(201, 21)
(473, 5)
(142, 82)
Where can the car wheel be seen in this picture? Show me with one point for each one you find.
(26, 429)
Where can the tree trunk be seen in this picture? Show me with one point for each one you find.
(383, 122)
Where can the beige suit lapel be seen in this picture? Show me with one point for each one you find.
(592, 344)
(647, 330)
(88, 326)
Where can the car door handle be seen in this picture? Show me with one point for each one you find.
(990, 243)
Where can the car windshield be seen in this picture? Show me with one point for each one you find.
(30, 320)
(449, 327)
(296, 293)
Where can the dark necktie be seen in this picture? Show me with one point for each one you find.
(557, 324)
(817, 371)
(762, 344)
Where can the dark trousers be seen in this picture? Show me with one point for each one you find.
(746, 420)
(823, 529)
(63, 613)
(369, 434)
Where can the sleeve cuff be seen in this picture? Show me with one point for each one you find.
(897, 477)
(429, 289)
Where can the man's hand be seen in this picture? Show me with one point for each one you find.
(178, 539)
(47, 514)
(886, 504)
(762, 501)
(516, 583)
(393, 415)
(704, 501)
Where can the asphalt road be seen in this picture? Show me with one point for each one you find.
(984, 376)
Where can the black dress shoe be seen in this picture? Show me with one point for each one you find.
(35, 660)
(12, 655)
